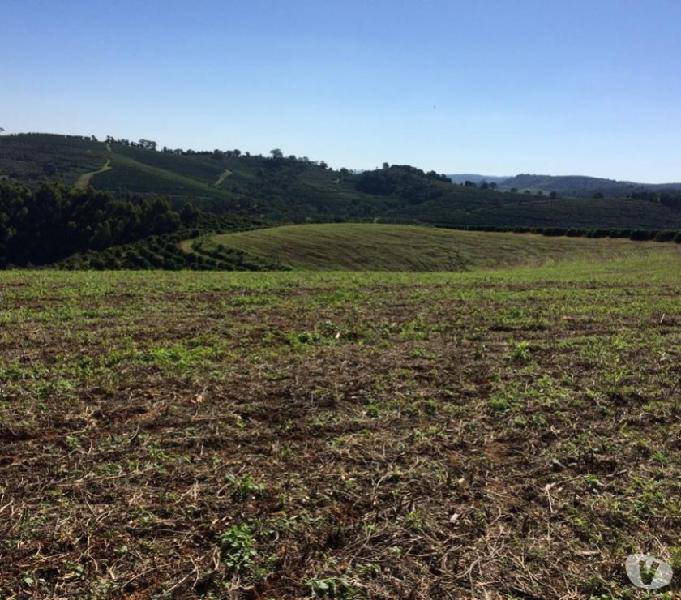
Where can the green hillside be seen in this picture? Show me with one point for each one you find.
(285, 190)
(38, 158)
(375, 247)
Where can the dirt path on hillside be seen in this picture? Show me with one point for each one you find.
(225, 174)
(84, 180)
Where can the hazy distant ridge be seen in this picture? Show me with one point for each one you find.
(568, 185)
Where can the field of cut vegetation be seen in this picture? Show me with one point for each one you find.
(499, 434)
(381, 247)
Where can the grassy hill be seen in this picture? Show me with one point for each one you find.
(283, 191)
(377, 247)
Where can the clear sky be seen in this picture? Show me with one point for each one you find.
(461, 86)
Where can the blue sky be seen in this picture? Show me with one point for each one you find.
(488, 86)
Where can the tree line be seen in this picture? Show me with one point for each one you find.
(45, 225)
(637, 235)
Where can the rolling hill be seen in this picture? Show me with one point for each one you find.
(267, 191)
(576, 186)
(581, 186)
(475, 178)
(376, 247)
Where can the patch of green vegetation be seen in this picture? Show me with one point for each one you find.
(244, 486)
(338, 588)
(237, 547)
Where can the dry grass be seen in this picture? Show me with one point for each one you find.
(376, 247)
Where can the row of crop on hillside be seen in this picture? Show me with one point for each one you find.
(164, 252)
(639, 235)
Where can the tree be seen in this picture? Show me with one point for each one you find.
(102, 238)
(277, 154)
(189, 215)
(48, 224)
(147, 145)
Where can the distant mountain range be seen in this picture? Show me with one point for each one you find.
(577, 186)
(475, 178)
